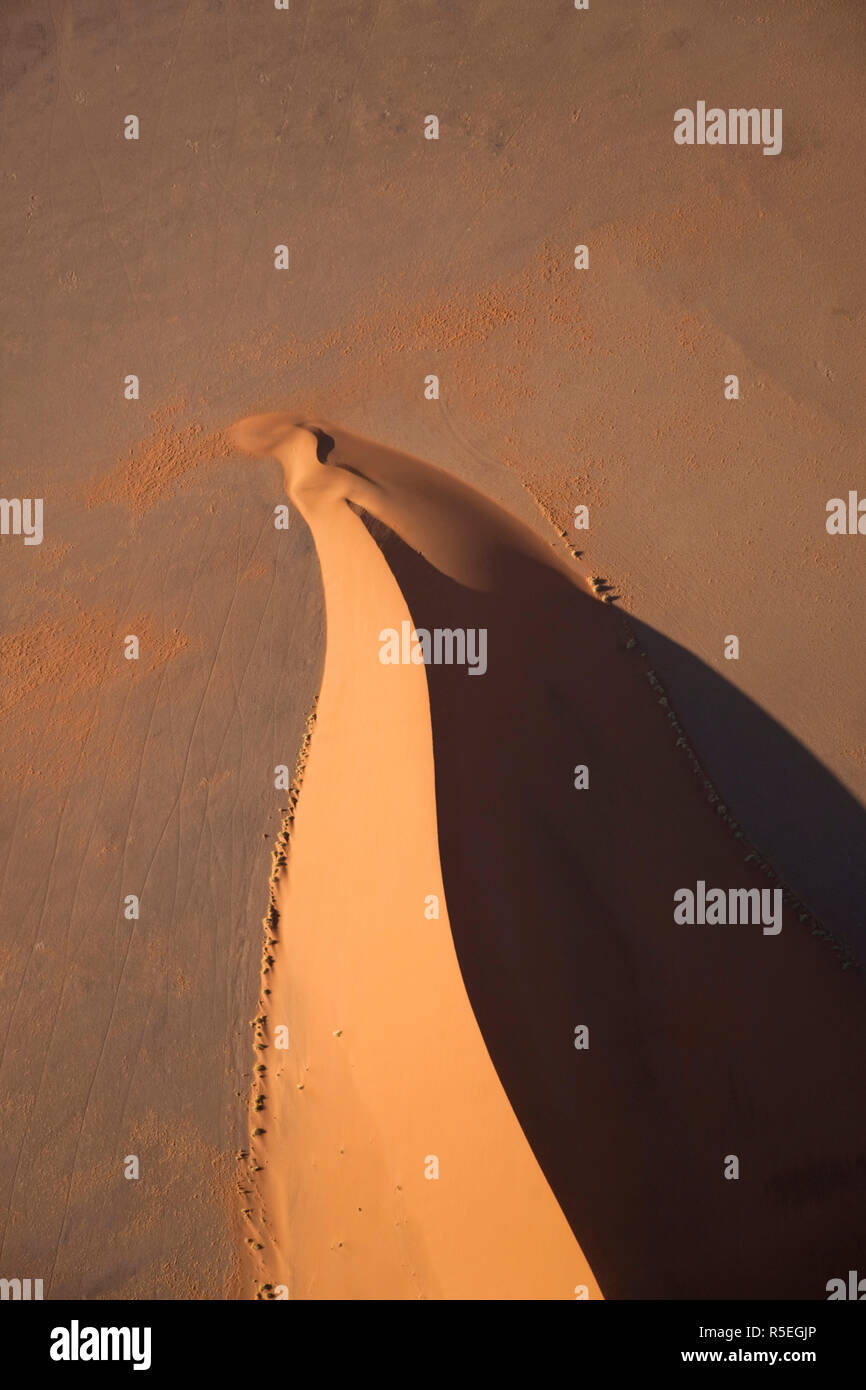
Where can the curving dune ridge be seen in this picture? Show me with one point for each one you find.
(382, 1037)
(706, 1041)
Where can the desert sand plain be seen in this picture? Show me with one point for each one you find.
(558, 388)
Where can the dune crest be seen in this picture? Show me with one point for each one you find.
(393, 1165)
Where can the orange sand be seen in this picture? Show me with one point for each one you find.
(605, 387)
(384, 1045)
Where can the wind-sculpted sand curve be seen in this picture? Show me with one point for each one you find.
(386, 1073)
(685, 1089)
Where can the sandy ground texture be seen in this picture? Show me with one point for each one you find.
(558, 387)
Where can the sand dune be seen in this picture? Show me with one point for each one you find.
(561, 907)
(386, 1073)
(557, 387)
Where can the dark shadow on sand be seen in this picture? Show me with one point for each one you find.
(704, 1042)
(807, 823)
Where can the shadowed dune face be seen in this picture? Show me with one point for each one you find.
(704, 1041)
(785, 797)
